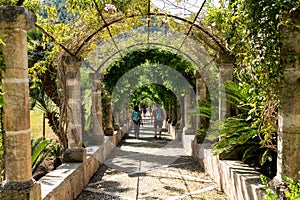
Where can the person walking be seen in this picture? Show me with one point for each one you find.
(137, 121)
(150, 111)
(158, 116)
(144, 110)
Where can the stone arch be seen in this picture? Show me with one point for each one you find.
(185, 87)
(25, 182)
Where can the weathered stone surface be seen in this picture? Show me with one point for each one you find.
(74, 155)
(21, 190)
(189, 120)
(58, 184)
(16, 97)
(109, 131)
(33, 193)
(16, 17)
(288, 159)
(109, 120)
(201, 94)
(18, 185)
(225, 62)
(96, 103)
(14, 22)
(72, 65)
(17, 157)
(239, 181)
(74, 134)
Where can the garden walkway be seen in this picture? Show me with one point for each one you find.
(150, 168)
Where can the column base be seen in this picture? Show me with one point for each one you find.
(72, 155)
(29, 190)
(116, 127)
(109, 132)
(278, 186)
(95, 139)
(189, 131)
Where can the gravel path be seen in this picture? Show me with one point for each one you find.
(149, 168)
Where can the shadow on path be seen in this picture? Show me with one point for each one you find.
(149, 168)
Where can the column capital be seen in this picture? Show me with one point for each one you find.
(16, 17)
(96, 76)
(72, 62)
(224, 58)
(197, 74)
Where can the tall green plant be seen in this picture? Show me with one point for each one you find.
(246, 136)
(39, 152)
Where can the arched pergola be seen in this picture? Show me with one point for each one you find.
(15, 21)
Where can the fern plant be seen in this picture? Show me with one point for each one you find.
(56, 152)
(249, 135)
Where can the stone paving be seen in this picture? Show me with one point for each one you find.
(150, 168)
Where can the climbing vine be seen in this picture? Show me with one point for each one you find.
(252, 31)
(148, 76)
(135, 58)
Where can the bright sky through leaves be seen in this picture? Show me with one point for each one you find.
(182, 9)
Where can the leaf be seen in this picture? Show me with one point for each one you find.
(38, 151)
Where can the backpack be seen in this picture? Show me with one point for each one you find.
(158, 114)
(136, 116)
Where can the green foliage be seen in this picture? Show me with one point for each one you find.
(30, 4)
(246, 136)
(252, 32)
(148, 69)
(56, 150)
(155, 56)
(39, 152)
(8, 2)
(156, 93)
(271, 195)
(292, 191)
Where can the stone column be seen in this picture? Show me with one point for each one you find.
(182, 113)
(225, 62)
(97, 129)
(122, 117)
(173, 115)
(75, 151)
(125, 119)
(201, 94)
(178, 114)
(168, 113)
(18, 184)
(109, 130)
(116, 118)
(188, 119)
(288, 159)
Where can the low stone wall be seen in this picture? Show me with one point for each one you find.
(237, 180)
(174, 132)
(69, 179)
